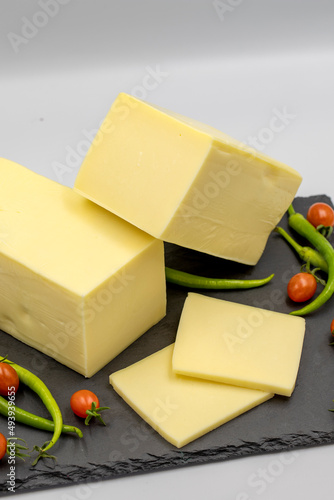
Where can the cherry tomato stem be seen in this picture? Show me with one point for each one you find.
(85, 404)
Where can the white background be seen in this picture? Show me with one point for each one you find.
(234, 64)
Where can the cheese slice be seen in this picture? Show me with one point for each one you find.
(237, 344)
(179, 408)
(185, 182)
(76, 282)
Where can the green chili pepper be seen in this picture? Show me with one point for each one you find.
(43, 392)
(305, 229)
(191, 281)
(308, 254)
(25, 417)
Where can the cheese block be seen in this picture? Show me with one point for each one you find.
(76, 282)
(237, 344)
(185, 182)
(179, 408)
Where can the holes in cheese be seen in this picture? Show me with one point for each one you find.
(180, 408)
(185, 182)
(238, 344)
(73, 276)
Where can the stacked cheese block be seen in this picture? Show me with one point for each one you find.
(185, 182)
(81, 283)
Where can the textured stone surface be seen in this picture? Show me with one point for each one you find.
(129, 446)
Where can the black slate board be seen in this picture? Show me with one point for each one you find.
(127, 445)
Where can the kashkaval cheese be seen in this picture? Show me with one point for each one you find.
(181, 409)
(76, 282)
(238, 344)
(185, 182)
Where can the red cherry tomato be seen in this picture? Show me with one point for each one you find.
(81, 401)
(320, 214)
(9, 379)
(302, 287)
(3, 446)
(332, 327)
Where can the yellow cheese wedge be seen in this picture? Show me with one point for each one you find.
(76, 282)
(179, 408)
(237, 344)
(185, 182)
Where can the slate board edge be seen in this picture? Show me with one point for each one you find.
(74, 475)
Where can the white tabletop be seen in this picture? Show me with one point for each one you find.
(233, 64)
